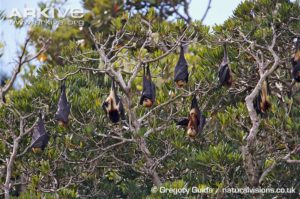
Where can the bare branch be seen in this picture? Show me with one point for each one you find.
(206, 11)
(22, 60)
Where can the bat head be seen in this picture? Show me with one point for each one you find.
(147, 102)
(180, 83)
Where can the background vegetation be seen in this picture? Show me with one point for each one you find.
(92, 158)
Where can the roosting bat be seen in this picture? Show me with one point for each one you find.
(262, 101)
(225, 75)
(40, 137)
(195, 122)
(113, 105)
(181, 74)
(63, 111)
(148, 94)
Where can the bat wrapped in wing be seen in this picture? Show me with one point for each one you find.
(181, 74)
(225, 75)
(63, 110)
(148, 93)
(40, 137)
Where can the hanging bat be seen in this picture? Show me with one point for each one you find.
(262, 101)
(181, 73)
(148, 94)
(40, 137)
(64, 106)
(113, 105)
(296, 62)
(195, 122)
(225, 74)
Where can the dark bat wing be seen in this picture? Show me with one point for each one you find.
(148, 87)
(181, 69)
(142, 99)
(224, 74)
(182, 122)
(153, 92)
(181, 72)
(256, 103)
(41, 142)
(296, 71)
(39, 136)
(195, 104)
(121, 110)
(202, 122)
(148, 83)
(64, 107)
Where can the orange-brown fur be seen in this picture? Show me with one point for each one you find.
(265, 102)
(62, 124)
(36, 150)
(297, 56)
(147, 103)
(180, 83)
(230, 80)
(193, 124)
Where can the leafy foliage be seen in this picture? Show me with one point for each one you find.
(93, 158)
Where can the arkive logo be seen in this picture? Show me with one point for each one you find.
(47, 12)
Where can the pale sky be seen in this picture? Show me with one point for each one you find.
(12, 37)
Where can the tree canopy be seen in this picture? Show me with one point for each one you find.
(91, 157)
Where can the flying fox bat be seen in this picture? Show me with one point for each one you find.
(63, 111)
(148, 94)
(262, 101)
(113, 105)
(181, 73)
(225, 75)
(40, 137)
(196, 120)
